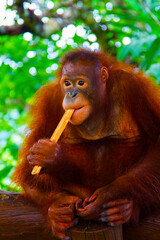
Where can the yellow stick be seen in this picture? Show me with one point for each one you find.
(57, 133)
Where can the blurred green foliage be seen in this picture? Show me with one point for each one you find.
(128, 29)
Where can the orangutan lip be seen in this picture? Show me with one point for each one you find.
(78, 108)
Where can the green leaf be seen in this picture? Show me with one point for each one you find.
(155, 71)
(133, 4)
(5, 171)
(124, 52)
(151, 53)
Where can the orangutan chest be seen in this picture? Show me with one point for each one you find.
(111, 159)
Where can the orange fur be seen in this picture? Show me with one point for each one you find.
(132, 163)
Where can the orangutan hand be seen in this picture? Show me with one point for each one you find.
(43, 154)
(99, 207)
(62, 214)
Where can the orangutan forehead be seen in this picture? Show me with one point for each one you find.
(84, 56)
(79, 68)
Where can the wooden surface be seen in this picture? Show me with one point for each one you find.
(91, 230)
(21, 221)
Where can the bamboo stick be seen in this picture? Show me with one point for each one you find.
(57, 133)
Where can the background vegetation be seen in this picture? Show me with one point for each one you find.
(34, 34)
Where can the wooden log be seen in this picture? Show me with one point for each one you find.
(92, 230)
(21, 221)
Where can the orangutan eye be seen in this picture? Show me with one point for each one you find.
(81, 83)
(67, 83)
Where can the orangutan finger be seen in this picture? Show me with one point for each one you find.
(61, 226)
(63, 218)
(59, 212)
(125, 216)
(116, 203)
(35, 159)
(60, 235)
(113, 210)
(45, 141)
(116, 223)
(85, 202)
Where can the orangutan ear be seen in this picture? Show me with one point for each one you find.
(105, 74)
